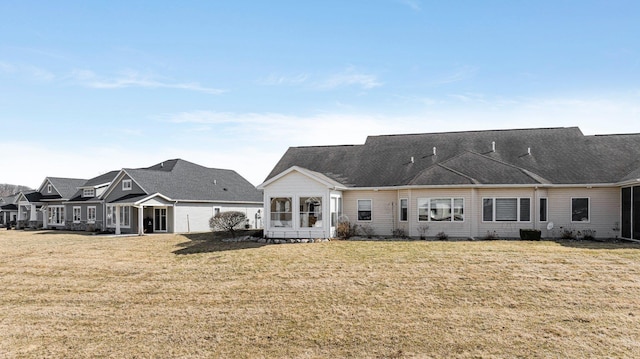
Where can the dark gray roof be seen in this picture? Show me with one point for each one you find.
(95, 181)
(521, 156)
(183, 180)
(66, 187)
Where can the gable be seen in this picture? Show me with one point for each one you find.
(295, 182)
(116, 191)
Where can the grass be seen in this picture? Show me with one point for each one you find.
(72, 295)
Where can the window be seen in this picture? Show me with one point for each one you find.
(580, 210)
(364, 209)
(440, 209)
(125, 216)
(281, 212)
(49, 188)
(126, 185)
(88, 192)
(55, 215)
(404, 209)
(506, 209)
(543, 210)
(91, 214)
(77, 214)
(216, 211)
(310, 211)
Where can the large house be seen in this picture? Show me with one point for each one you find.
(8, 210)
(174, 196)
(177, 196)
(464, 184)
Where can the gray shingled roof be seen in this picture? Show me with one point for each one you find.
(95, 181)
(182, 180)
(66, 187)
(521, 156)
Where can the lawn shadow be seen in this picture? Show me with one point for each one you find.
(595, 244)
(208, 243)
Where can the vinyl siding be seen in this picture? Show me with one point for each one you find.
(604, 207)
(194, 217)
(296, 185)
(383, 213)
(460, 229)
(117, 191)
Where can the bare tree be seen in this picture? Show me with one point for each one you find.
(227, 221)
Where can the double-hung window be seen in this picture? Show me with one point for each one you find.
(88, 192)
(506, 209)
(580, 210)
(365, 208)
(126, 185)
(404, 209)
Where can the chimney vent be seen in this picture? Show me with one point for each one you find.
(493, 146)
(434, 150)
(412, 159)
(529, 151)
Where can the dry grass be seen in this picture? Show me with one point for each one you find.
(71, 295)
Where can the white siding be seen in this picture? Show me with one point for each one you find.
(383, 214)
(452, 229)
(296, 185)
(194, 217)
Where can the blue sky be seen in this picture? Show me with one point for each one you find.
(91, 86)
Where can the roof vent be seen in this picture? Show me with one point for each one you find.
(412, 161)
(493, 146)
(161, 164)
(529, 151)
(434, 150)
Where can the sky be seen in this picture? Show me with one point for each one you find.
(87, 87)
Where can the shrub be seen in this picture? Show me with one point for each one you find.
(346, 230)
(491, 235)
(423, 229)
(441, 236)
(227, 221)
(589, 235)
(567, 233)
(367, 231)
(399, 233)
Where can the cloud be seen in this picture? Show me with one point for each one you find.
(277, 80)
(30, 71)
(350, 77)
(413, 4)
(460, 74)
(135, 79)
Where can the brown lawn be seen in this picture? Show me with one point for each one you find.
(73, 295)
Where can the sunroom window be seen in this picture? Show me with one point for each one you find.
(310, 211)
(281, 212)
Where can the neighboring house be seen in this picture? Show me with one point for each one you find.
(177, 196)
(54, 193)
(85, 208)
(465, 184)
(8, 209)
(29, 209)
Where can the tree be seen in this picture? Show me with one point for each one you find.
(227, 221)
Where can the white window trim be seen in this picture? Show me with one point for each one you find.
(358, 210)
(79, 212)
(588, 209)
(55, 209)
(451, 199)
(88, 192)
(400, 210)
(546, 209)
(301, 213)
(95, 213)
(127, 185)
(49, 188)
(113, 222)
(493, 209)
(292, 212)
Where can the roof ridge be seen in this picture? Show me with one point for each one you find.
(478, 131)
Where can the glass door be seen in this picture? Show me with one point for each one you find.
(160, 219)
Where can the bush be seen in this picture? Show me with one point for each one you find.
(227, 221)
(491, 236)
(367, 231)
(423, 229)
(399, 233)
(346, 230)
(567, 233)
(441, 236)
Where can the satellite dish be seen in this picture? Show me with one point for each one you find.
(550, 226)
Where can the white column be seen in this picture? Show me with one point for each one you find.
(140, 220)
(117, 214)
(33, 216)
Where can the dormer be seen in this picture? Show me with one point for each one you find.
(88, 192)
